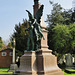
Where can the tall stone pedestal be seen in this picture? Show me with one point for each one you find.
(39, 63)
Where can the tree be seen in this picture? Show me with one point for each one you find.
(72, 41)
(67, 15)
(21, 37)
(59, 32)
(1, 43)
(56, 15)
(61, 39)
(9, 45)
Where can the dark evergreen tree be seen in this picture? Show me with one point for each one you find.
(21, 37)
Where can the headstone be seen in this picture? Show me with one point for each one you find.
(69, 61)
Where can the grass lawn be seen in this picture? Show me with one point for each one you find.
(71, 69)
(68, 74)
(71, 73)
(4, 71)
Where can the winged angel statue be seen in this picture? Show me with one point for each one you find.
(35, 30)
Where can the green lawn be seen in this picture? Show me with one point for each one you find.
(71, 69)
(68, 74)
(4, 71)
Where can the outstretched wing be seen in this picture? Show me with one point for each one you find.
(39, 13)
(30, 15)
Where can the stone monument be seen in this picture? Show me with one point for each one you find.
(40, 60)
(13, 66)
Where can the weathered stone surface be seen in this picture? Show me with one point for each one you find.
(13, 68)
(47, 63)
(28, 64)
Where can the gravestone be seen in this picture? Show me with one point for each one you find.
(40, 61)
(69, 61)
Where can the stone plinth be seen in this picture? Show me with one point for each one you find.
(27, 64)
(13, 68)
(47, 63)
(41, 62)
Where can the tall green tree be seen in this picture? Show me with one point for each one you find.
(63, 39)
(59, 30)
(58, 16)
(21, 37)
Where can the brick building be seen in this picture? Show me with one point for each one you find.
(5, 58)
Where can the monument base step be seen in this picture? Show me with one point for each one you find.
(39, 63)
(41, 73)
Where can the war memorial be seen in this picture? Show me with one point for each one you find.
(38, 59)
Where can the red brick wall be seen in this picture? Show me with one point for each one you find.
(5, 61)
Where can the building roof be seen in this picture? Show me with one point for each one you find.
(6, 49)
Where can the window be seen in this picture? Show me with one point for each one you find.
(4, 53)
(11, 54)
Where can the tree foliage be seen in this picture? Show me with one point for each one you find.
(9, 45)
(21, 37)
(56, 15)
(61, 30)
(73, 16)
(1, 43)
(59, 15)
(63, 38)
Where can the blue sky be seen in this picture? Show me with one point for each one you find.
(13, 11)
